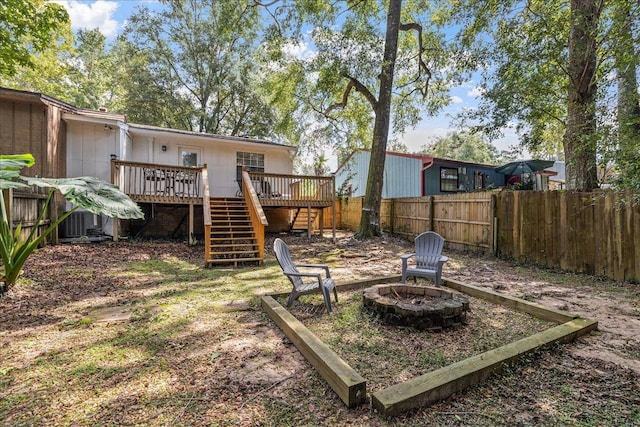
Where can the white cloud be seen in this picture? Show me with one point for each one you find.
(416, 138)
(299, 50)
(92, 15)
(456, 100)
(476, 92)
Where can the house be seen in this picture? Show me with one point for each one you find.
(187, 183)
(557, 181)
(415, 175)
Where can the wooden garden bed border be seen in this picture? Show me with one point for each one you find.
(350, 386)
(435, 385)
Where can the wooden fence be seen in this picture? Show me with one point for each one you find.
(23, 207)
(464, 220)
(596, 233)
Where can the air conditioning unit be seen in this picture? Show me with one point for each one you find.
(81, 224)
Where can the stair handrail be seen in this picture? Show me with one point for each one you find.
(258, 218)
(206, 212)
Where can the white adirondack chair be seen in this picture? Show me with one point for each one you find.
(429, 258)
(300, 287)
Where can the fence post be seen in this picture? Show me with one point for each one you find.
(392, 214)
(333, 208)
(53, 217)
(494, 224)
(8, 204)
(432, 210)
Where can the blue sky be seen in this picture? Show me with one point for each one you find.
(110, 17)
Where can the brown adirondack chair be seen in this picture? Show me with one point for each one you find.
(300, 287)
(429, 258)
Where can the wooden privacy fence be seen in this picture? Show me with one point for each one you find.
(596, 233)
(23, 207)
(466, 220)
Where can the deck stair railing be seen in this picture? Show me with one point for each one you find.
(234, 227)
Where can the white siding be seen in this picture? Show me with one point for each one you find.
(218, 154)
(89, 149)
(401, 175)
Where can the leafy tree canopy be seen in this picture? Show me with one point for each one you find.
(340, 80)
(199, 60)
(463, 146)
(528, 76)
(27, 27)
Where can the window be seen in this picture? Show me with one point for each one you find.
(479, 180)
(448, 179)
(254, 162)
(189, 157)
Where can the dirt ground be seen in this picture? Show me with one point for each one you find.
(272, 388)
(618, 318)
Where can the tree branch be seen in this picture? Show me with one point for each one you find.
(422, 66)
(359, 87)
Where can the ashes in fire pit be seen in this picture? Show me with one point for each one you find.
(421, 307)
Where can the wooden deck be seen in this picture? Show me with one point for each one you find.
(294, 191)
(155, 183)
(167, 184)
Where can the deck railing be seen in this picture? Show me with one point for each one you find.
(155, 183)
(304, 190)
(206, 213)
(258, 218)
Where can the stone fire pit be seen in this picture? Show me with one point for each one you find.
(421, 307)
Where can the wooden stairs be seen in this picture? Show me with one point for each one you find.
(299, 221)
(232, 237)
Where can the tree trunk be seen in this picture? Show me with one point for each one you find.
(580, 134)
(370, 221)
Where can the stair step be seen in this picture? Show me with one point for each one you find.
(229, 239)
(242, 214)
(230, 247)
(232, 233)
(234, 253)
(232, 260)
(232, 239)
(234, 257)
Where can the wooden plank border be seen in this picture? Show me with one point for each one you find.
(346, 382)
(524, 306)
(444, 382)
(441, 383)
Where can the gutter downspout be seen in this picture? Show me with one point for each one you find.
(426, 165)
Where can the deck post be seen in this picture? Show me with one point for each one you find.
(309, 222)
(321, 221)
(116, 224)
(191, 240)
(333, 205)
(115, 179)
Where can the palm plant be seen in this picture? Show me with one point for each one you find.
(88, 193)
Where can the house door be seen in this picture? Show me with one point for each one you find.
(190, 156)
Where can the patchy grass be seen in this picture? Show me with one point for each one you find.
(179, 359)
